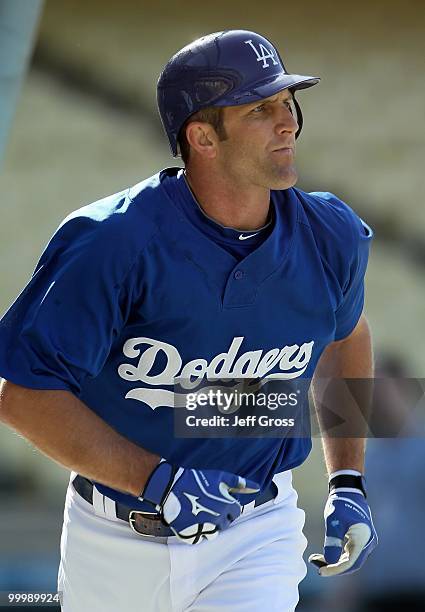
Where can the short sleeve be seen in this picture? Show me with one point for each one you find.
(350, 309)
(61, 328)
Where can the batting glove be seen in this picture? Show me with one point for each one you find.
(348, 523)
(195, 504)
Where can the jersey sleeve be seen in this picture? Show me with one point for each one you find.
(350, 309)
(61, 327)
(353, 238)
(345, 241)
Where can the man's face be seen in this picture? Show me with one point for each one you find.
(260, 144)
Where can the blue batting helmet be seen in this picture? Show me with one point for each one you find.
(222, 69)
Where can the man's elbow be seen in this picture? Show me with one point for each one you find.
(362, 328)
(337, 355)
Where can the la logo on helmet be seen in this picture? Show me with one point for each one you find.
(263, 54)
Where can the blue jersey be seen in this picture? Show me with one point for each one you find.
(129, 295)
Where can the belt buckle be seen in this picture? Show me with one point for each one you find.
(132, 518)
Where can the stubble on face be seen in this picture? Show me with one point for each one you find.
(249, 164)
(280, 174)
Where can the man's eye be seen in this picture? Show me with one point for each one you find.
(258, 109)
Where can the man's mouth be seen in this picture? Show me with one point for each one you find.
(284, 150)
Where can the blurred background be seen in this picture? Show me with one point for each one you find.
(80, 122)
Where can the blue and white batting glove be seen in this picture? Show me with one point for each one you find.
(350, 535)
(195, 504)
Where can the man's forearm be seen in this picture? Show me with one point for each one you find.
(350, 358)
(66, 430)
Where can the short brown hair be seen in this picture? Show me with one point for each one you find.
(212, 115)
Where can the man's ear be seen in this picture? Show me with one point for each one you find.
(202, 138)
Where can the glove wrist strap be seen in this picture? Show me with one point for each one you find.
(347, 481)
(158, 484)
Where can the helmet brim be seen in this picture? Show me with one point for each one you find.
(267, 88)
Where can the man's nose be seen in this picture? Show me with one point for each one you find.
(286, 121)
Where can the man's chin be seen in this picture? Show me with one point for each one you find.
(284, 180)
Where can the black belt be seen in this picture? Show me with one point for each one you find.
(150, 523)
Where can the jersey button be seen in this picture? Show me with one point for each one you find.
(238, 274)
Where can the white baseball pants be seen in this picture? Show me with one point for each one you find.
(254, 565)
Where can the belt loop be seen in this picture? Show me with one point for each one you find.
(110, 508)
(99, 503)
(104, 506)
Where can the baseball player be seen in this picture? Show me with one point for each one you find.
(220, 270)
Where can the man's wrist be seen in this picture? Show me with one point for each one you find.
(347, 481)
(140, 468)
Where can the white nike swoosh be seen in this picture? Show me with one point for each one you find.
(242, 237)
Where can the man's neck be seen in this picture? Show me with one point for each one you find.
(231, 206)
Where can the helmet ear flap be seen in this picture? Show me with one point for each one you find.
(300, 119)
